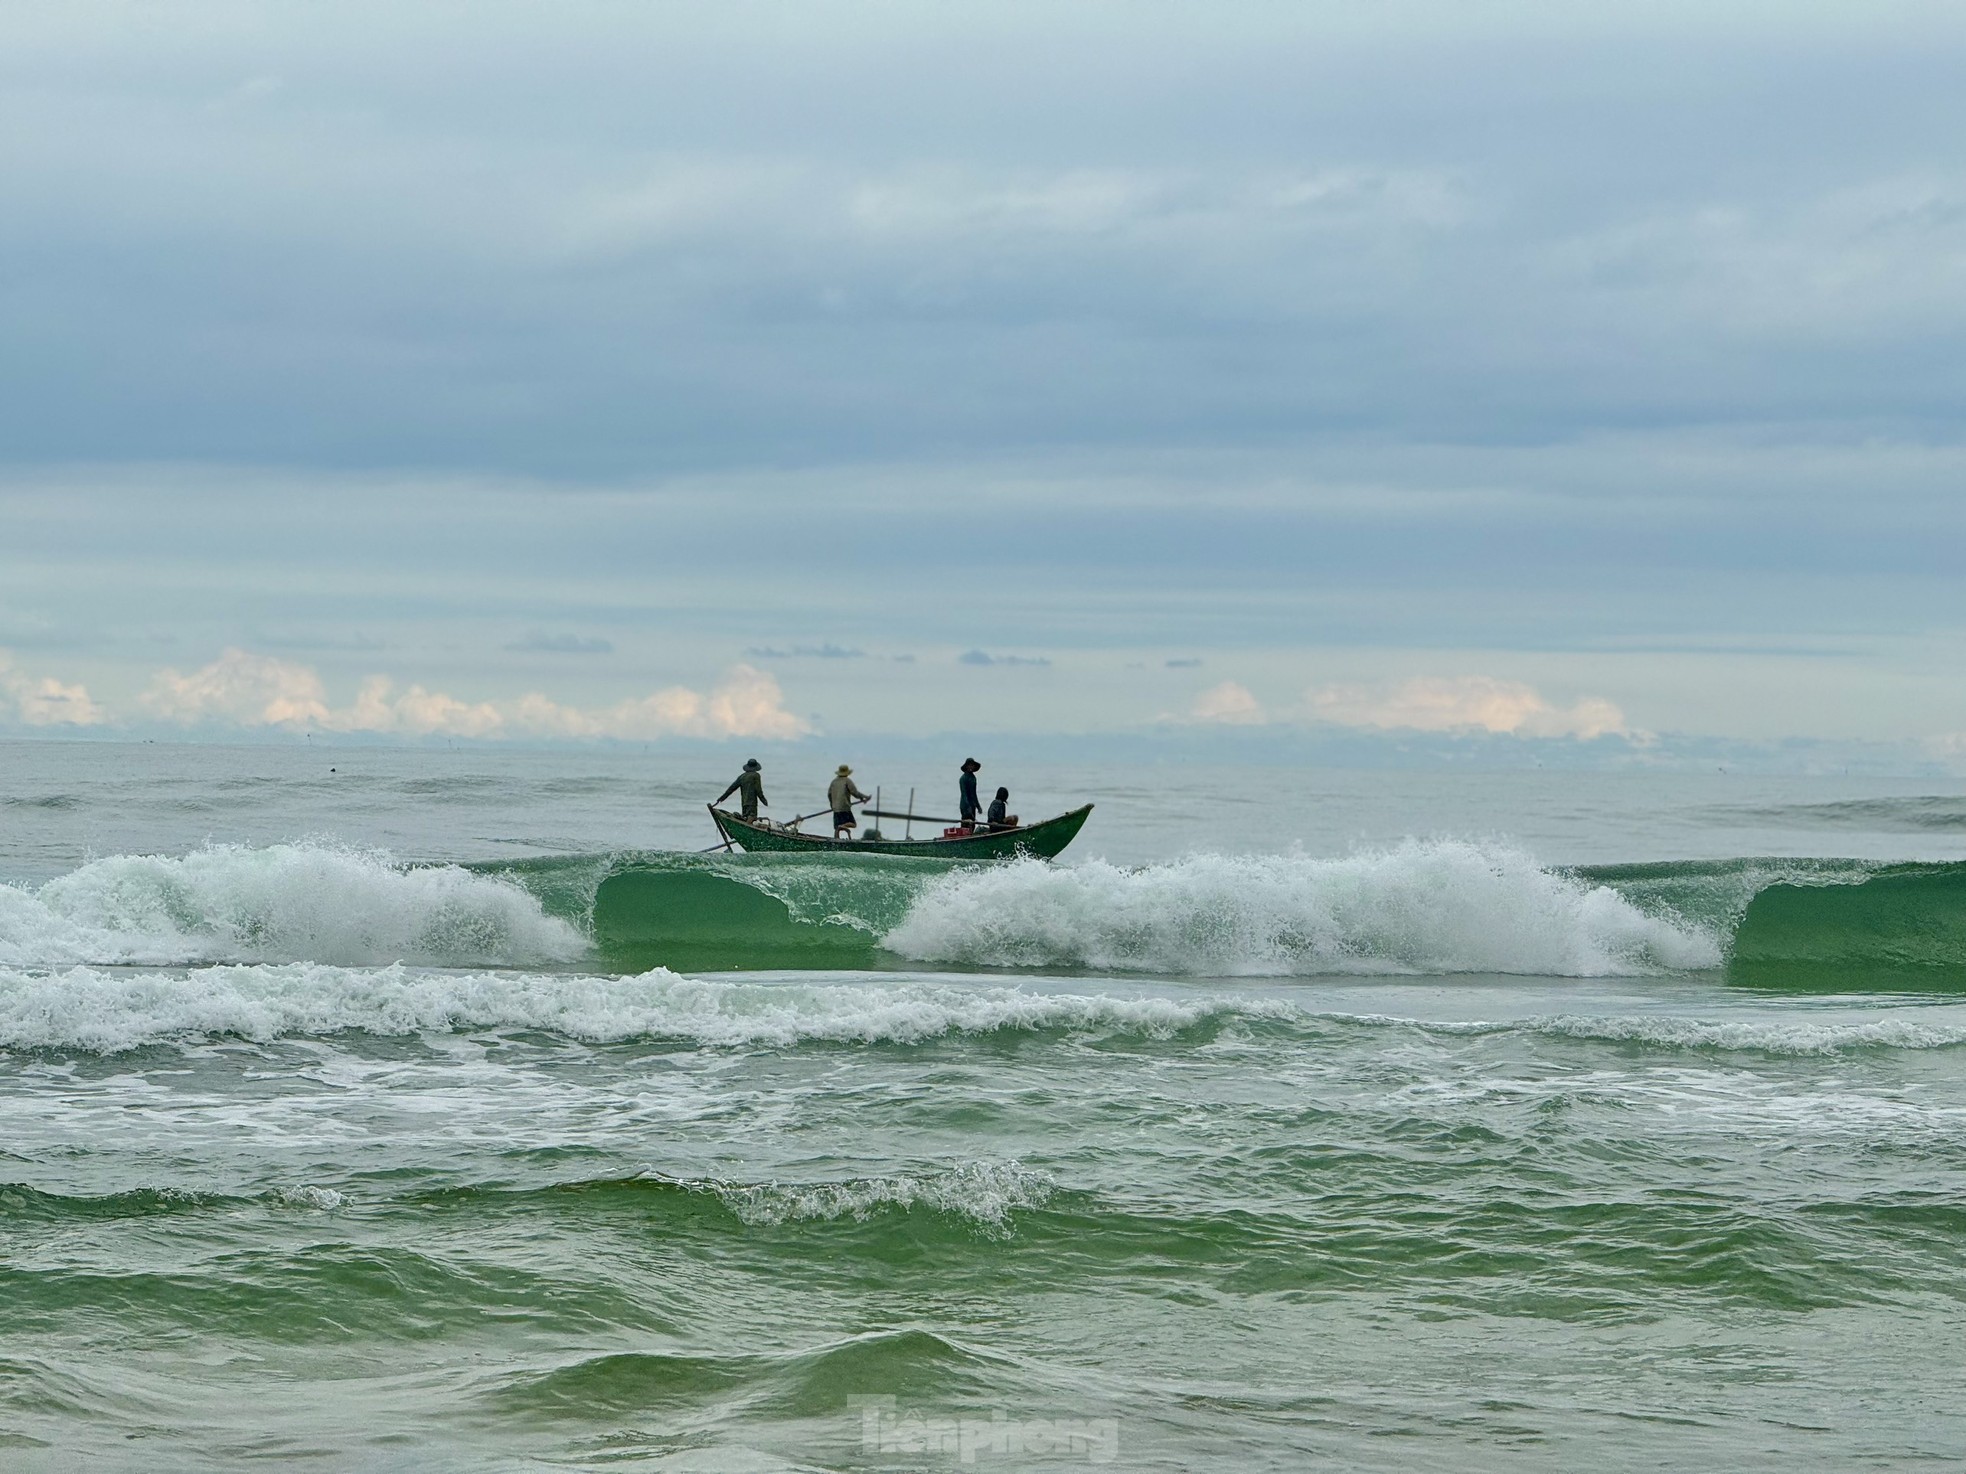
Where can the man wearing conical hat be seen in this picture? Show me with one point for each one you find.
(841, 793)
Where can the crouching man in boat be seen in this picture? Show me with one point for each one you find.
(749, 786)
(841, 793)
(998, 818)
(966, 793)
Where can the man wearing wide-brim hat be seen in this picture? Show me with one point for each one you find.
(967, 791)
(749, 786)
(840, 794)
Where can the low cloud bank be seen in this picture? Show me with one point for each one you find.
(43, 701)
(1465, 703)
(247, 690)
(1446, 704)
(1229, 704)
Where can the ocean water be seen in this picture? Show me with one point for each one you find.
(429, 1109)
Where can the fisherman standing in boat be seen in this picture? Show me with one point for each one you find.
(749, 786)
(967, 785)
(841, 793)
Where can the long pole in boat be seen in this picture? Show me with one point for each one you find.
(877, 798)
(911, 813)
(720, 829)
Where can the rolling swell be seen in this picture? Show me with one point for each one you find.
(1426, 908)
(1463, 1230)
(1914, 814)
(1421, 907)
(813, 1383)
(1433, 907)
(107, 1012)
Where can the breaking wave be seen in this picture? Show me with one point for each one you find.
(317, 902)
(1435, 907)
(985, 1193)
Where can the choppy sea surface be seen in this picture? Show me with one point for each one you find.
(428, 1109)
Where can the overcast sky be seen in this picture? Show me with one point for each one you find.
(622, 369)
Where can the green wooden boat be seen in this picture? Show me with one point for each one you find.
(1042, 840)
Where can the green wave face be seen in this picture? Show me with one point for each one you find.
(705, 922)
(1815, 925)
(732, 913)
(1903, 927)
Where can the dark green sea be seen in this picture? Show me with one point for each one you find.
(449, 1111)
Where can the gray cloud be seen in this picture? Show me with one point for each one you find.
(540, 642)
(1460, 338)
(591, 247)
(827, 651)
(982, 657)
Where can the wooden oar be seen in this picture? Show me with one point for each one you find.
(925, 818)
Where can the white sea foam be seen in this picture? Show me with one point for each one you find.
(1786, 1036)
(1422, 907)
(326, 1199)
(104, 1012)
(1901, 1028)
(289, 902)
(984, 1192)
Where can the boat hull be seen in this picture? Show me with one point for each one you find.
(1039, 841)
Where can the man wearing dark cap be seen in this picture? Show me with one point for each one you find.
(970, 807)
(749, 785)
